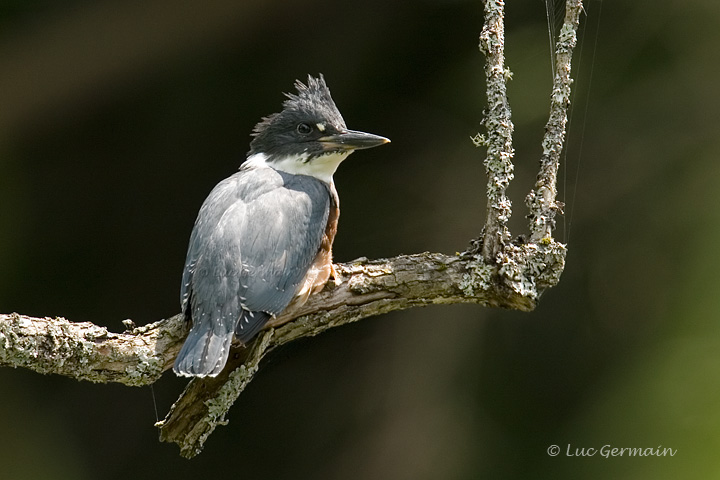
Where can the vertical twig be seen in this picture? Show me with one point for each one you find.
(499, 126)
(542, 199)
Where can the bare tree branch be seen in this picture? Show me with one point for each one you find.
(139, 356)
(86, 351)
(495, 272)
(542, 199)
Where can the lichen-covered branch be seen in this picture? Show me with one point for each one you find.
(542, 200)
(499, 127)
(89, 352)
(362, 289)
(139, 356)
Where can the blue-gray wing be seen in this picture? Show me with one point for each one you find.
(255, 238)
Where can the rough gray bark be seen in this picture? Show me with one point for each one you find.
(362, 289)
(86, 351)
(495, 272)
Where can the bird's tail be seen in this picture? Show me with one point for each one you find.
(205, 351)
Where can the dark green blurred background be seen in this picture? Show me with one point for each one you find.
(117, 119)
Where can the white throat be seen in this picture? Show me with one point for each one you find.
(322, 167)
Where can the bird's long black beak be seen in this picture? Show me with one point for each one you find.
(352, 140)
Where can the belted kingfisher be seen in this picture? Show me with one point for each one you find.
(263, 237)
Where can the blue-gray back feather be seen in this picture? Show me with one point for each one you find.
(254, 239)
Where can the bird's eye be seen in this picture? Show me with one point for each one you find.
(304, 129)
